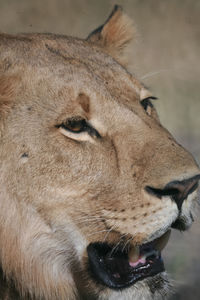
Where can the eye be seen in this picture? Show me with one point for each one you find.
(147, 105)
(75, 126)
(78, 126)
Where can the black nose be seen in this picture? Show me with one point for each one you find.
(178, 190)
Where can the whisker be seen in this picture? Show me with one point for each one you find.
(105, 230)
(127, 242)
(116, 246)
(89, 220)
(150, 74)
(84, 215)
(107, 234)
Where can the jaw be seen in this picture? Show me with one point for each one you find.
(155, 286)
(151, 285)
(116, 270)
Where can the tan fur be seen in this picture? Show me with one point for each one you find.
(60, 191)
(8, 88)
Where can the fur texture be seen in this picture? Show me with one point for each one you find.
(61, 190)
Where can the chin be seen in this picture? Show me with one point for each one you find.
(157, 287)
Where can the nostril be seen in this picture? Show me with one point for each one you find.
(185, 187)
(178, 190)
(162, 192)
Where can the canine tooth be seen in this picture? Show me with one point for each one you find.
(139, 261)
(134, 254)
(161, 242)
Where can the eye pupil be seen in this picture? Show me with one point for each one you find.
(147, 102)
(76, 125)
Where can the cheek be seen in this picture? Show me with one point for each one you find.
(89, 162)
(76, 164)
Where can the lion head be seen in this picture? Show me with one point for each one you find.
(90, 182)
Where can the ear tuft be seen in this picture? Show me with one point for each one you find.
(115, 34)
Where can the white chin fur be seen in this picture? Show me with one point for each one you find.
(161, 290)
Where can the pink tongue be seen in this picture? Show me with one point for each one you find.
(139, 261)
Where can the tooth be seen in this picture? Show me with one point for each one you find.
(134, 254)
(161, 242)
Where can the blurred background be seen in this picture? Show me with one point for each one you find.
(166, 57)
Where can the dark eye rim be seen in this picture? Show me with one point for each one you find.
(147, 102)
(82, 123)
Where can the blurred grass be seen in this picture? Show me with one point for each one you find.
(165, 56)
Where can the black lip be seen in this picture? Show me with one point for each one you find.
(113, 269)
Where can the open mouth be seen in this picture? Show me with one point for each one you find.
(119, 268)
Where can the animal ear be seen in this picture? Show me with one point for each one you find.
(115, 34)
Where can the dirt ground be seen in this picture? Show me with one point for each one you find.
(165, 56)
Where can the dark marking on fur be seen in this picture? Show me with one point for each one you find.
(8, 290)
(55, 51)
(24, 155)
(84, 101)
(116, 156)
(6, 64)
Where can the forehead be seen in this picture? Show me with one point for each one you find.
(91, 69)
(66, 61)
(91, 64)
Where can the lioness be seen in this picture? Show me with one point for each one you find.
(90, 181)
